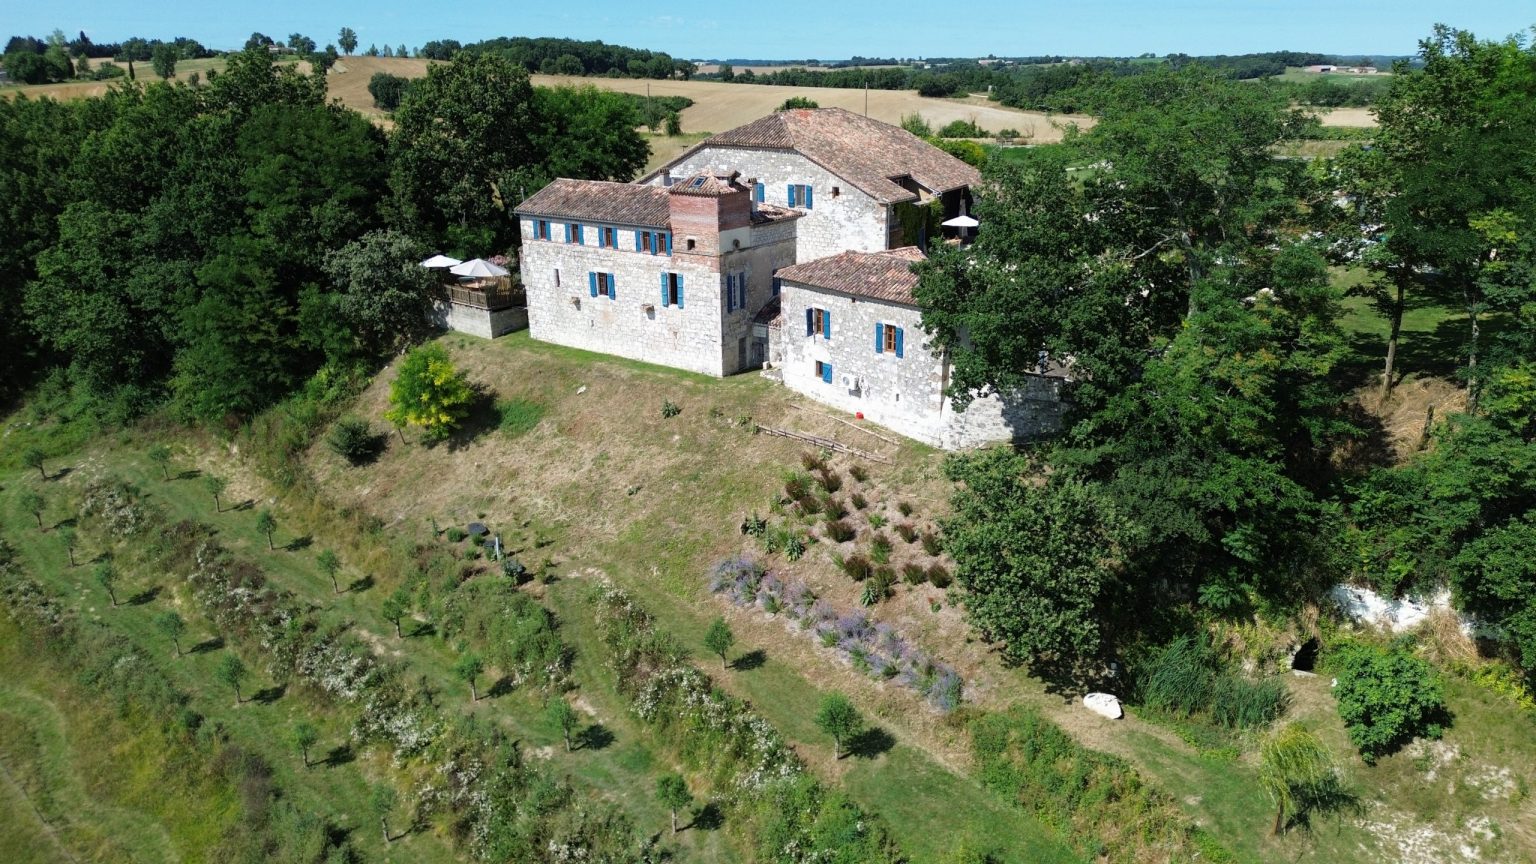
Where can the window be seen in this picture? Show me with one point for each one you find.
(888, 339)
(800, 195)
(541, 229)
(777, 284)
(557, 277)
(672, 289)
(573, 233)
(608, 238)
(655, 243)
(691, 244)
(824, 371)
(602, 285)
(836, 191)
(818, 322)
(735, 291)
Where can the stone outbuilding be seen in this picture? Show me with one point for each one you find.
(849, 333)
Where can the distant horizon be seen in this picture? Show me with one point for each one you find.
(693, 29)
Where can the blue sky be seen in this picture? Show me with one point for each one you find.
(822, 29)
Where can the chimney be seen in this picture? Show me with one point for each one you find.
(705, 206)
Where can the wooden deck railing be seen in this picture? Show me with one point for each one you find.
(495, 296)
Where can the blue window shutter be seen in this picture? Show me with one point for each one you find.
(777, 285)
(664, 289)
(810, 197)
(613, 288)
(592, 283)
(567, 232)
(759, 192)
(669, 243)
(879, 338)
(899, 332)
(581, 233)
(810, 321)
(637, 240)
(679, 290)
(730, 293)
(826, 372)
(791, 194)
(826, 325)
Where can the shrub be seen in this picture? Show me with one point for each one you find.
(794, 547)
(809, 504)
(907, 532)
(838, 531)
(812, 462)
(938, 576)
(798, 102)
(962, 129)
(859, 502)
(915, 574)
(905, 508)
(517, 417)
(858, 473)
(456, 534)
(1237, 703)
(354, 440)
(830, 480)
(880, 549)
(833, 507)
(669, 409)
(754, 526)
(857, 567)
(1386, 696)
(931, 543)
(1179, 678)
(876, 521)
(796, 485)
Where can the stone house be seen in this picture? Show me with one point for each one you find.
(862, 184)
(665, 275)
(847, 332)
(786, 243)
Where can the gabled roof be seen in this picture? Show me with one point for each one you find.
(709, 185)
(867, 153)
(600, 201)
(880, 275)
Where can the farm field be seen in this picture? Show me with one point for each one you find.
(142, 69)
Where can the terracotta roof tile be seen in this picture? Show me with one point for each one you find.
(869, 154)
(600, 201)
(880, 275)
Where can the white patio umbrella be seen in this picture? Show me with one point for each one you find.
(438, 262)
(961, 221)
(478, 268)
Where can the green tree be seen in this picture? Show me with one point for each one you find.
(32, 502)
(387, 90)
(266, 523)
(330, 565)
(794, 102)
(305, 736)
(915, 124)
(1386, 697)
(32, 457)
(396, 607)
(161, 456)
(347, 39)
(106, 576)
(469, 669)
(672, 792)
(1293, 763)
(216, 486)
(587, 133)
(232, 673)
(839, 719)
(67, 537)
(164, 60)
(565, 719)
(172, 627)
(429, 392)
(383, 802)
(382, 292)
(719, 639)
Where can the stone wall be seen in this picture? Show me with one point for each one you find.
(904, 394)
(478, 322)
(836, 223)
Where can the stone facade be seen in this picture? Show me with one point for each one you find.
(903, 393)
(841, 217)
(486, 323)
(705, 334)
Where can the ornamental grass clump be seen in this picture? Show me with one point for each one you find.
(838, 531)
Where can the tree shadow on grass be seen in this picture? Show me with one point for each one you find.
(247, 504)
(60, 473)
(482, 418)
(422, 628)
(501, 687)
(596, 737)
(750, 660)
(190, 474)
(145, 596)
(360, 585)
(300, 543)
(71, 522)
(1328, 798)
(871, 743)
(340, 755)
(708, 818)
(207, 645)
(270, 694)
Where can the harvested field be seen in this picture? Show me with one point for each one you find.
(1359, 118)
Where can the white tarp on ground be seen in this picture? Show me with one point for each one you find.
(1104, 705)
